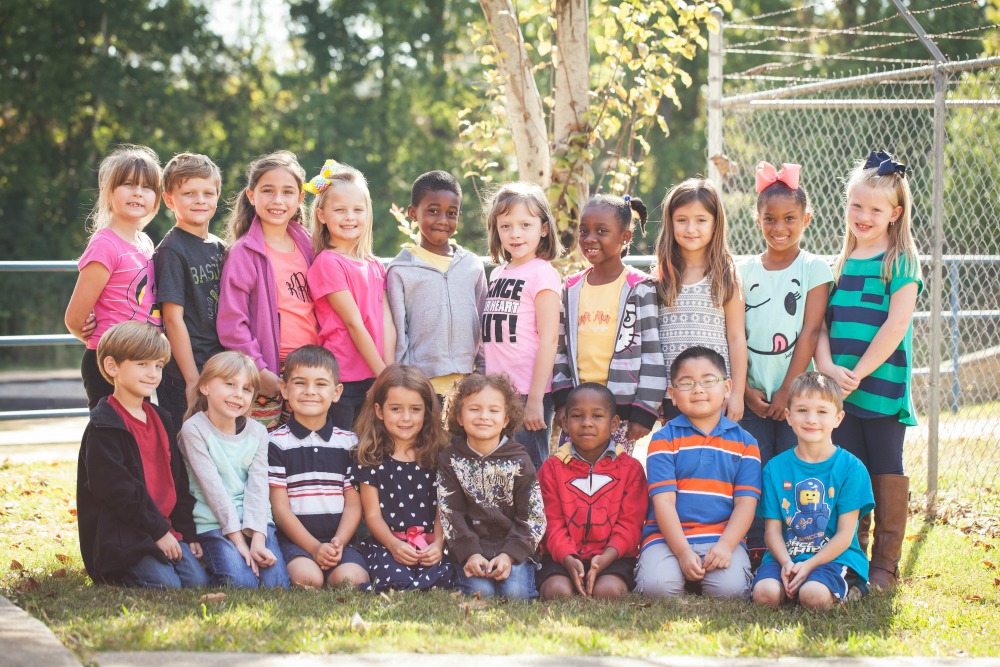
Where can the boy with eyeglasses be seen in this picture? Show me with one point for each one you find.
(704, 481)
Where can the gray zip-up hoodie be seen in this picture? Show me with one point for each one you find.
(437, 314)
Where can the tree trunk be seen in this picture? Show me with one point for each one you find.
(525, 113)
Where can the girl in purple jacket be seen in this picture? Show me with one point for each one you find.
(265, 309)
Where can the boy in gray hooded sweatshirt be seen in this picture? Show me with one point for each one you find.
(437, 288)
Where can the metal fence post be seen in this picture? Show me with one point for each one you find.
(714, 97)
(954, 304)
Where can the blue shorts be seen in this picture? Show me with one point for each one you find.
(836, 577)
(290, 550)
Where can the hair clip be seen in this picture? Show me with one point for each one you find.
(766, 175)
(322, 181)
(627, 199)
(885, 164)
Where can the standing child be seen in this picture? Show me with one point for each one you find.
(608, 332)
(867, 346)
(265, 309)
(521, 315)
(226, 456)
(437, 288)
(348, 283)
(786, 291)
(188, 265)
(704, 483)
(812, 497)
(700, 298)
(134, 507)
(313, 499)
(488, 495)
(116, 277)
(400, 437)
(595, 503)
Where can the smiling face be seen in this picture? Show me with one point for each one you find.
(228, 398)
(137, 379)
(276, 197)
(133, 201)
(309, 392)
(520, 233)
(704, 400)
(602, 236)
(869, 213)
(693, 226)
(590, 421)
(813, 418)
(193, 202)
(782, 221)
(437, 216)
(483, 418)
(344, 213)
(403, 413)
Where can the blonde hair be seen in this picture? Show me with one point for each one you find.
(132, 341)
(185, 166)
(670, 262)
(362, 248)
(533, 198)
(374, 442)
(813, 382)
(127, 162)
(224, 365)
(243, 212)
(475, 383)
(902, 248)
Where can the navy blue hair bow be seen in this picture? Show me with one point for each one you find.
(885, 164)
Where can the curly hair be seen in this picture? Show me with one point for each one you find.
(475, 383)
(374, 442)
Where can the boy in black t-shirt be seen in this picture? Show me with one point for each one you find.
(188, 264)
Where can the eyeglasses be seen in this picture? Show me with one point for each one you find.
(704, 383)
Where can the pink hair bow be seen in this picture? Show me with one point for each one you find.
(415, 537)
(767, 174)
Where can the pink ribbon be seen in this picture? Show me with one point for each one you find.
(415, 537)
(766, 175)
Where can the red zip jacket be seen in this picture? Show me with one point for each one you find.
(591, 508)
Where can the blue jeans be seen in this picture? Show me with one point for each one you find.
(228, 568)
(153, 573)
(537, 442)
(773, 438)
(520, 585)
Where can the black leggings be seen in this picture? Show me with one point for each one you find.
(877, 441)
(93, 382)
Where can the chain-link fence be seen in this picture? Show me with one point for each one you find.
(949, 137)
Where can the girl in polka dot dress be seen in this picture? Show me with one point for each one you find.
(399, 436)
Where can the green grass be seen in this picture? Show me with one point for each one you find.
(949, 605)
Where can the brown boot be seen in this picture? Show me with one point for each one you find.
(865, 532)
(891, 505)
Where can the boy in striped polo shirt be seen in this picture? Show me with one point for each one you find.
(704, 483)
(315, 506)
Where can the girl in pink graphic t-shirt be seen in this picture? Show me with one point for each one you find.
(520, 321)
(348, 283)
(116, 273)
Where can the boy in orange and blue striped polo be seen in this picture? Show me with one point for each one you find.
(704, 481)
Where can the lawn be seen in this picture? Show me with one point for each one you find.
(949, 605)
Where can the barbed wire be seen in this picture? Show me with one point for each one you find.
(779, 12)
(959, 34)
(963, 3)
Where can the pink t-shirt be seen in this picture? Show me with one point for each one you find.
(365, 280)
(510, 331)
(130, 293)
(296, 318)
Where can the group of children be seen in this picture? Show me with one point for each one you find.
(310, 381)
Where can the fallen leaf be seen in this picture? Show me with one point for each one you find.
(214, 598)
(974, 598)
(996, 582)
(72, 511)
(473, 605)
(456, 594)
(63, 558)
(926, 576)
(342, 600)
(59, 574)
(478, 595)
(16, 565)
(358, 624)
(914, 537)
(29, 585)
(989, 565)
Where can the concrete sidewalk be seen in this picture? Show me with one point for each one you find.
(26, 641)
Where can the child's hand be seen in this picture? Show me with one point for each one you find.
(574, 566)
(636, 431)
(534, 415)
(432, 554)
(240, 542)
(499, 568)
(89, 325)
(326, 555)
(170, 547)
(779, 401)
(734, 407)
(269, 383)
(786, 576)
(560, 418)
(691, 565)
(196, 551)
(847, 379)
(718, 557)
(476, 566)
(598, 564)
(756, 401)
(404, 553)
(259, 552)
(798, 573)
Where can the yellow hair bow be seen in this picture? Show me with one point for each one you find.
(322, 181)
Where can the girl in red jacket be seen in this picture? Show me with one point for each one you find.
(595, 504)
